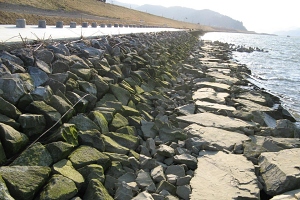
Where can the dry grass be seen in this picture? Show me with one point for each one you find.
(112, 13)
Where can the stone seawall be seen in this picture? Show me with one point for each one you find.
(140, 116)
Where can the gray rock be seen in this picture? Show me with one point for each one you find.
(169, 133)
(287, 129)
(36, 155)
(183, 180)
(44, 55)
(12, 140)
(7, 56)
(210, 95)
(214, 107)
(38, 76)
(184, 191)
(56, 85)
(115, 170)
(9, 109)
(187, 159)
(66, 133)
(280, 170)
(121, 94)
(186, 109)
(59, 67)
(83, 123)
(123, 192)
(158, 174)
(112, 146)
(177, 170)
(123, 159)
(80, 103)
(90, 172)
(12, 89)
(59, 150)
(171, 178)
(148, 129)
(125, 140)
(99, 119)
(164, 185)
(165, 150)
(143, 179)
(24, 182)
(26, 55)
(143, 195)
(91, 138)
(43, 66)
(51, 115)
(59, 187)
(63, 107)
(218, 121)
(42, 93)
(227, 175)
(10, 122)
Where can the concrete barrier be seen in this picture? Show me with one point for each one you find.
(121, 25)
(59, 24)
(94, 24)
(109, 25)
(20, 23)
(102, 25)
(42, 24)
(84, 24)
(116, 25)
(73, 25)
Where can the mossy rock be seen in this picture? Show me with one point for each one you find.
(99, 119)
(107, 97)
(118, 122)
(59, 150)
(65, 168)
(83, 123)
(90, 172)
(51, 115)
(129, 111)
(62, 107)
(9, 121)
(66, 133)
(113, 146)
(135, 121)
(128, 141)
(91, 138)
(9, 109)
(129, 130)
(87, 87)
(71, 84)
(80, 104)
(4, 193)
(117, 105)
(96, 190)
(164, 185)
(12, 140)
(121, 94)
(132, 153)
(24, 182)
(116, 169)
(33, 125)
(85, 155)
(2, 154)
(58, 187)
(36, 155)
(85, 74)
(123, 159)
(101, 85)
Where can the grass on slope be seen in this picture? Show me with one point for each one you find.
(116, 14)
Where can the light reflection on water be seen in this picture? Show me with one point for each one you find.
(277, 69)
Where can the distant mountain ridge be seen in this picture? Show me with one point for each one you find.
(203, 17)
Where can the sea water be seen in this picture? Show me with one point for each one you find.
(276, 69)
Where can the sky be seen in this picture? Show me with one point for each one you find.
(262, 16)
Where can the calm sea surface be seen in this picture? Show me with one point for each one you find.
(277, 69)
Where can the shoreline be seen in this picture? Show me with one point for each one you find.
(153, 107)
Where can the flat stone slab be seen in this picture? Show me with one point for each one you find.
(218, 138)
(259, 144)
(220, 87)
(217, 121)
(291, 195)
(221, 77)
(254, 96)
(224, 176)
(208, 106)
(280, 170)
(210, 95)
(250, 105)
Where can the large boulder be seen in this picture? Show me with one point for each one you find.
(12, 140)
(36, 155)
(125, 140)
(100, 120)
(92, 171)
(65, 168)
(227, 176)
(85, 155)
(32, 124)
(63, 107)
(51, 115)
(59, 187)
(4, 193)
(59, 150)
(83, 123)
(24, 182)
(280, 170)
(12, 89)
(66, 133)
(8, 109)
(91, 138)
(112, 146)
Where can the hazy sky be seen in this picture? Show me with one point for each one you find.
(256, 15)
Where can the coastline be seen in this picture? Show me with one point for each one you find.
(156, 106)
